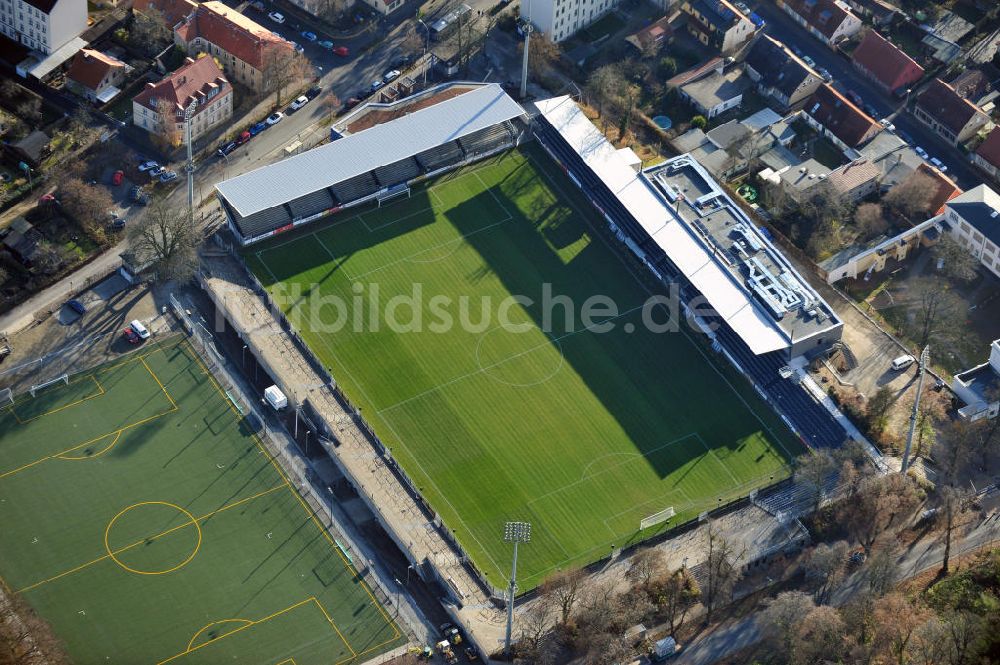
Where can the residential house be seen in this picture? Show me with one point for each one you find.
(96, 76)
(897, 161)
(160, 107)
(242, 46)
(885, 64)
(734, 146)
(652, 37)
(829, 21)
(878, 12)
(987, 155)
(854, 181)
(171, 12)
(21, 240)
(779, 73)
(31, 149)
(717, 91)
(718, 24)
(974, 221)
(979, 85)
(837, 118)
(43, 25)
(941, 109)
(560, 19)
(979, 388)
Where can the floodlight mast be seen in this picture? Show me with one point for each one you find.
(514, 532)
(925, 357)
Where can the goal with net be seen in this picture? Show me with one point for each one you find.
(40, 386)
(656, 518)
(6, 397)
(397, 191)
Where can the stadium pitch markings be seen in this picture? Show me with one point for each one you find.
(312, 516)
(100, 391)
(112, 554)
(251, 624)
(91, 455)
(191, 521)
(518, 384)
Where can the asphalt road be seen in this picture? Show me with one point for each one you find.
(781, 27)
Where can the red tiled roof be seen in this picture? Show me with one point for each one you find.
(823, 15)
(89, 67)
(842, 118)
(851, 176)
(194, 80)
(990, 148)
(232, 32)
(173, 11)
(886, 63)
(940, 101)
(946, 188)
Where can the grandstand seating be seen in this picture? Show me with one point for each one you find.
(486, 140)
(355, 188)
(311, 204)
(810, 418)
(398, 172)
(442, 155)
(264, 221)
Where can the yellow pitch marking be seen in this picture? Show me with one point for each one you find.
(246, 623)
(100, 391)
(73, 458)
(191, 521)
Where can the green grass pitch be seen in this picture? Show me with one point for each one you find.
(147, 524)
(580, 432)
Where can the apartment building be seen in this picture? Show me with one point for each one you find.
(159, 108)
(560, 19)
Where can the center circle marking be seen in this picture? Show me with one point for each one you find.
(191, 520)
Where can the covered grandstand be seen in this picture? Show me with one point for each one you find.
(361, 167)
(684, 227)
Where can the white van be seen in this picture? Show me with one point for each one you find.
(139, 329)
(903, 362)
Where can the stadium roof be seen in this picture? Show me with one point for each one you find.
(353, 155)
(670, 231)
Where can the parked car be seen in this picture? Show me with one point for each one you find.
(130, 336)
(902, 362)
(277, 17)
(391, 75)
(243, 138)
(226, 148)
(939, 164)
(351, 103)
(117, 178)
(314, 92)
(742, 6)
(139, 329)
(920, 151)
(885, 122)
(167, 176)
(257, 128)
(155, 172)
(855, 98)
(76, 306)
(809, 61)
(147, 166)
(298, 103)
(342, 51)
(47, 198)
(377, 84)
(308, 36)
(298, 47)
(326, 43)
(139, 196)
(871, 110)
(825, 74)
(274, 118)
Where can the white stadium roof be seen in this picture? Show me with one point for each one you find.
(381, 145)
(716, 284)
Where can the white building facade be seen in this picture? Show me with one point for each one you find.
(974, 221)
(43, 25)
(560, 19)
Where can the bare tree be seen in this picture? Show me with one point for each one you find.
(869, 220)
(782, 617)
(880, 571)
(931, 643)
(563, 587)
(25, 638)
(957, 261)
(820, 637)
(721, 569)
(149, 30)
(535, 624)
(813, 470)
(878, 408)
(953, 504)
(30, 109)
(646, 564)
(880, 503)
(602, 86)
(49, 257)
(912, 195)
(167, 239)
(283, 67)
(896, 620)
(88, 204)
(674, 595)
(936, 307)
(544, 54)
(826, 568)
(169, 134)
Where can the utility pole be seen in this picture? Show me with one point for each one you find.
(921, 368)
(189, 166)
(527, 27)
(513, 532)
(427, 39)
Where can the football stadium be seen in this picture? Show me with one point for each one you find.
(536, 328)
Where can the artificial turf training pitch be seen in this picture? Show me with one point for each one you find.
(147, 524)
(582, 433)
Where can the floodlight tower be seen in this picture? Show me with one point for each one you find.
(527, 27)
(514, 532)
(925, 356)
(189, 166)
